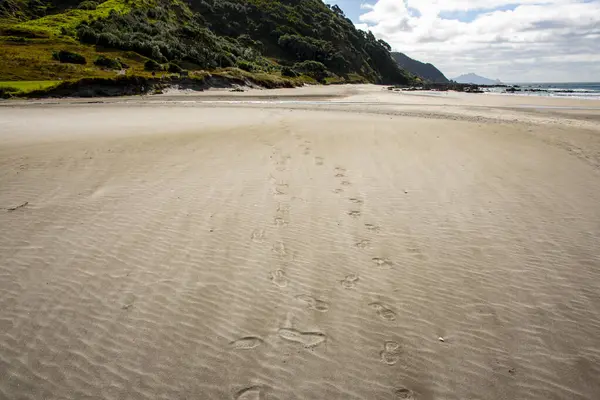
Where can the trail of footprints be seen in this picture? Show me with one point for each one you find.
(390, 353)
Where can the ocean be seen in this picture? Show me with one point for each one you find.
(580, 90)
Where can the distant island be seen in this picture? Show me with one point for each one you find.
(476, 80)
(425, 71)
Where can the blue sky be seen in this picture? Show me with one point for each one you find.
(352, 9)
(513, 40)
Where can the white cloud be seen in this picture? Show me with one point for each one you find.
(552, 40)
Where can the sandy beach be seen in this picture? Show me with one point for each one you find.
(341, 242)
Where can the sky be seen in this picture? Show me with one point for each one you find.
(510, 40)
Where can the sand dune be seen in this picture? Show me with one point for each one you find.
(185, 250)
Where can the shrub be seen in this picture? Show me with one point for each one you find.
(314, 69)
(15, 39)
(65, 56)
(87, 34)
(152, 65)
(107, 39)
(107, 62)
(287, 71)
(174, 68)
(87, 5)
(310, 66)
(225, 60)
(246, 66)
(67, 31)
(305, 48)
(7, 92)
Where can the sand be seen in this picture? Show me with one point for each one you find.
(323, 243)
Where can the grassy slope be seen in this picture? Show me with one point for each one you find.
(32, 60)
(28, 86)
(51, 25)
(26, 47)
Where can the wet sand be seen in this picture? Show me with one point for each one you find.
(324, 243)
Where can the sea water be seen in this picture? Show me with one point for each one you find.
(580, 90)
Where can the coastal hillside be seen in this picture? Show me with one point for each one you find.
(425, 71)
(279, 41)
(476, 80)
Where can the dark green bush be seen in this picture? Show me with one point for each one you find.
(87, 5)
(289, 72)
(152, 65)
(16, 39)
(174, 68)
(67, 31)
(7, 92)
(65, 56)
(246, 66)
(225, 60)
(310, 66)
(314, 69)
(306, 48)
(107, 62)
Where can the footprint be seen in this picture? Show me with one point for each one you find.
(307, 151)
(278, 192)
(338, 190)
(372, 227)
(404, 393)
(281, 215)
(363, 244)
(389, 358)
(355, 200)
(280, 221)
(313, 304)
(319, 160)
(383, 311)
(278, 278)
(249, 393)
(340, 170)
(383, 262)
(279, 249)
(283, 208)
(350, 281)
(258, 236)
(246, 343)
(389, 354)
(128, 302)
(346, 183)
(391, 346)
(307, 339)
(354, 213)
(340, 175)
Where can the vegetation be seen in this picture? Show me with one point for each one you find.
(66, 56)
(16, 88)
(153, 66)
(428, 72)
(109, 63)
(289, 40)
(27, 86)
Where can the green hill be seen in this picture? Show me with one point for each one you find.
(278, 40)
(426, 71)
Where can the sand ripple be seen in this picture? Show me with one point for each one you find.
(263, 254)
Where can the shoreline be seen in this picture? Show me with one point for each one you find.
(366, 99)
